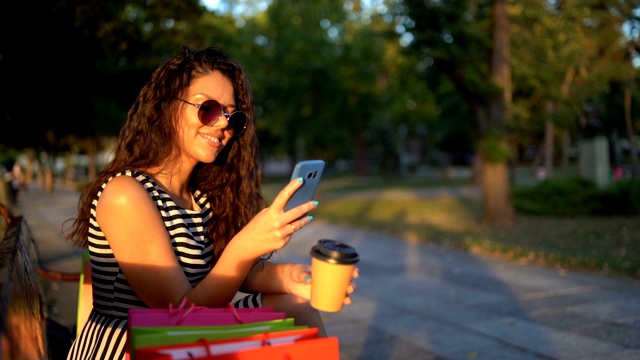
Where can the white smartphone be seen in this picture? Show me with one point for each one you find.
(311, 172)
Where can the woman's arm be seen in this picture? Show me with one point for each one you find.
(140, 242)
(285, 278)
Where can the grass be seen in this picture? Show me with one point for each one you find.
(606, 244)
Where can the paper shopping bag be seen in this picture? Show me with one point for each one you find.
(313, 349)
(201, 316)
(146, 336)
(203, 349)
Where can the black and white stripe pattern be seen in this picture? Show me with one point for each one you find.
(104, 335)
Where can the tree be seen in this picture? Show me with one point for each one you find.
(498, 208)
(294, 78)
(468, 41)
(75, 81)
(565, 54)
(629, 13)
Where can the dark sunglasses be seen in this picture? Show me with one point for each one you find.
(209, 113)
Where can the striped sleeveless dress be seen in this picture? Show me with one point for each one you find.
(104, 336)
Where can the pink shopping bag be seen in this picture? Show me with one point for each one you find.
(188, 314)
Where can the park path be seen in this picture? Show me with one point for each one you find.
(418, 301)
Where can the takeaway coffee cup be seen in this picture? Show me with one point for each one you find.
(332, 265)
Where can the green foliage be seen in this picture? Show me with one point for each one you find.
(554, 197)
(622, 198)
(295, 71)
(324, 72)
(7, 156)
(453, 41)
(494, 149)
(85, 50)
(560, 63)
(578, 197)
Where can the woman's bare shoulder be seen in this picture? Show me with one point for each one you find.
(123, 191)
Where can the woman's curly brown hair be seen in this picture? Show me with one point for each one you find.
(232, 179)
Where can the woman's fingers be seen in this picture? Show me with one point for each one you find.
(350, 290)
(304, 274)
(287, 223)
(283, 197)
(285, 194)
(290, 228)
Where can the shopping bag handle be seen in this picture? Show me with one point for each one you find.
(235, 313)
(265, 336)
(193, 307)
(204, 343)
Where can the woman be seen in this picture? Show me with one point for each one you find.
(178, 211)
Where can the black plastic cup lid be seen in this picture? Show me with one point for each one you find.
(335, 252)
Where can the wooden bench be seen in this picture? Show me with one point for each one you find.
(26, 331)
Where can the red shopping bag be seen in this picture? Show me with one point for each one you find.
(314, 349)
(188, 314)
(290, 344)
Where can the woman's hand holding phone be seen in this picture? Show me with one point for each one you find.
(272, 228)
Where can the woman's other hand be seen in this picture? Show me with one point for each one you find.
(298, 282)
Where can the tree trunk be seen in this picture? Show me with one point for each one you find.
(500, 67)
(566, 139)
(68, 171)
(498, 207)
(630, 133)
(476, 173)
(45, 173)
(31, 159)
(549, 130)
(361, 156)
(40, 173)
(566, 150)
(91, 148)
(93, 168)
(48, 180)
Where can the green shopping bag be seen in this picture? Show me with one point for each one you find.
(146, 336)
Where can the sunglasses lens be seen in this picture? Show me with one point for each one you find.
(237, 122)
(209, 113)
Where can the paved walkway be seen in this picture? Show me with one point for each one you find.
(419, 301)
